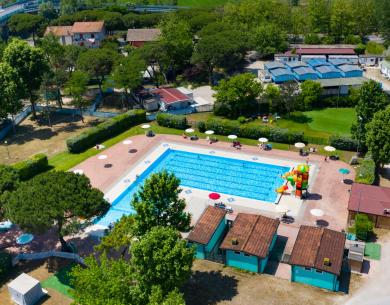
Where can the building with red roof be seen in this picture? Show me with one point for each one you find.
(171, 98)
(374, 201)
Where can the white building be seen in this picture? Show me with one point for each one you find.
(371, 60)
(64, 34)
(385, 68)
(25, 290)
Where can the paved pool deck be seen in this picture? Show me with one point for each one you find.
(327, 191)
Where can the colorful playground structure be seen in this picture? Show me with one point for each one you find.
(298, 179)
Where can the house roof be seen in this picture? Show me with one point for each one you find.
(345, 81)
(281, 71)
(327, 69)
(314, 244)
(325, 51)
(304, 70)
(88, 27)
(339, 61)
(254, 234)
(369, 199)
(349, 68)
(23, 283)
(206, 225)
(295, 64)
(59, 30)
(170, 95)
(317, 62)
(142, 34)
(273, 65)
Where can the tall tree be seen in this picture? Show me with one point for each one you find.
(237, 96)
(30, 65)
(161, 258)
(319, 12)
(76, 87)
(269, 39)
(128, 74)
(288, 96)
(25, 24)
(98, 63)
(11, 92)
(47, 10)
(341, 20)
(370, 99)
(378, 137)
(310, 94)
(157, 203)
(55, 199)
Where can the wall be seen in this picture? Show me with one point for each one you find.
(242, 261)
(264, 261)
(218, 234)
(310, 276)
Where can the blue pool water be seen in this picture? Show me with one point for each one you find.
(207, 172)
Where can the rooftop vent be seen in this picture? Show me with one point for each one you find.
(327, 261)
(234, 241)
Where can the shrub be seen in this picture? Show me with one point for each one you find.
(32, 166)
(105, 130)
(172, 120)
(254, 131)
(285, 136)
(201, 126)
(363, 226)
(366, 172)
(222, 126)
(241, 119)
(343, 142)
(5, 264)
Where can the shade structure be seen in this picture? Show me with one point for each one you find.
(299, 145)
(78, 171)
(281, 209)
(189, 130)
(317, 212)
(209, 132)
(329, 148)
(263, 140)
(145, 126)
(214, 196)
(232, 137)
(127, 142)
(344, 171)
(102, 157)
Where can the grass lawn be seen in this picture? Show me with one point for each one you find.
(373, 251)
(60, 281)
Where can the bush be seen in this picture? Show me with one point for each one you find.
(105, 130)
(366, 172)
(29, 168)
(222, 126)
(201, 126)
(172, 120)
(5, 264)
(285, 136)
(254, 131)
(363, 226)
(343, 142)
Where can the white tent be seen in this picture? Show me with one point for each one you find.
(25, 290)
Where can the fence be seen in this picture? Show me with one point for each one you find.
(47, 254)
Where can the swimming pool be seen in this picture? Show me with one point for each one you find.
(229, 176)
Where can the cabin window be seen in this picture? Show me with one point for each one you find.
(308, 269)
(237, 252)
(246, 254)
(92, 35)
(318, 271)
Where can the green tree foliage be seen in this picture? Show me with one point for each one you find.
(173, 298)
(105, 282)
(312, 38)
(11, 92)
(157, 203)
(287, 102)
(237, 96)
(363, 226)
(374, 48)
(47, 10)
(54, 199)
(161, 258)
(9, 181)
(341, 21)
(319, 16)
(98, 63)
(370, 99)
(310, 94)
(378, 137)
(30, 65)
(76, 87)
(271, 96)
(25, 24)
(269, 39)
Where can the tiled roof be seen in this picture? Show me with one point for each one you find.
(314, 244)
(325, 51)
(206, 225)
(170, 95)
(142, 34)
(59, 30)
(253, 233)
(88, 27)
(369, 199)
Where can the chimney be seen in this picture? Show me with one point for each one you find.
(327, 261)
(234, 241)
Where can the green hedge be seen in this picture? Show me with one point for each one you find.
(5, 265)
(105, 130)
(365, 174)
(172, 120)
(222, 126)
(363, 226)
(343, 143)
(32, 166)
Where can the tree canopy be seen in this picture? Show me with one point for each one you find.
(310, 94)
(157, 203)
(54, 199)
(378, 137)
(25, 24)
(76, 87)
(9, 181)
(237, 96)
